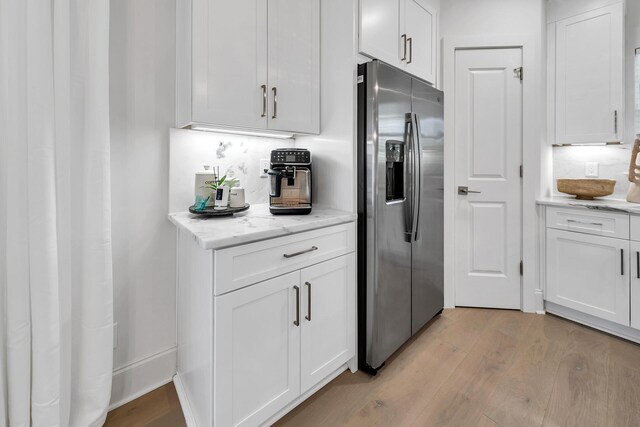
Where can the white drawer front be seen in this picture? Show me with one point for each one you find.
(634, 224)
(590, 222)
(239, 266)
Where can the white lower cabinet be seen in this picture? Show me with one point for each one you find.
(253, 349)
(634, 249)
(257, 351)
(328, 328)
(589, 274)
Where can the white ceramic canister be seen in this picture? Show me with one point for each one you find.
(204, 179)
(236, 196)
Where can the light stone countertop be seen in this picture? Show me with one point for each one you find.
(255, 224)
(603, 203)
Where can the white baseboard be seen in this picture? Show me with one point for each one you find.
(143, 376)
(184, 402)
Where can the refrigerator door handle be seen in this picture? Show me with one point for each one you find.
(408, 179)
(417, 174)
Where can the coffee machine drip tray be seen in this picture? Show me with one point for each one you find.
(290, 210)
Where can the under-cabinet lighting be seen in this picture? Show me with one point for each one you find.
(279, 135)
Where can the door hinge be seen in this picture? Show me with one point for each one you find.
(521, 171)
(360, 79)
(521, 268)
(518, 72)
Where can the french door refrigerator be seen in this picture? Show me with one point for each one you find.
(400, 209)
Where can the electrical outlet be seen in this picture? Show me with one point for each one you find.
(591, 169)
(265, 165)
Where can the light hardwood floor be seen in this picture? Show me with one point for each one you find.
(470, 367)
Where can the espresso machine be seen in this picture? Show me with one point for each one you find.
(290, 181)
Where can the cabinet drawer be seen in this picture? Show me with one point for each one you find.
(240, 266)
(589, 222)
(634, 225)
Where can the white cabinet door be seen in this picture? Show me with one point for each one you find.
(635, 283)
(420, 26)
(590, 76)
(257, 351)
(589, 274)
(294, 65)
(328, 319)
(380, 35)
(229, 60)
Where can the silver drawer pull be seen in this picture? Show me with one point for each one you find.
(313, 248)
(599, 224)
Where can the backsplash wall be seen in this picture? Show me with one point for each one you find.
(613, 162)
(238, 154)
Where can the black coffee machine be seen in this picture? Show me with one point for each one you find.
(290, 182)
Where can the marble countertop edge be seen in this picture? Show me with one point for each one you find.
(604, 204)
(255, 225)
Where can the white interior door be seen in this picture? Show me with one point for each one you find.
(488, 155)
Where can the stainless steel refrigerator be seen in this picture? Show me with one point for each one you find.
(400, 209)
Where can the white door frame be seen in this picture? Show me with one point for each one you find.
(533, 146)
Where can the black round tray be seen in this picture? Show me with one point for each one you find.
(211, 212)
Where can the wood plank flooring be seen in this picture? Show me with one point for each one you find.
(469, 367)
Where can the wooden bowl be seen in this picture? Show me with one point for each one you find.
(586, 189)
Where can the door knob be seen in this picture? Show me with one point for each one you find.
(464, 190)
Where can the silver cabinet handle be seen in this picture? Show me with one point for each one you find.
(575, 221)
(308, 316)
(615, 122)
(404, 47)
(313, 248)
(264, 101)
(464, 190)
(410, 41)
(297, 321)
(275, 102)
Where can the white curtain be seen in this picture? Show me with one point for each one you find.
(56, 295)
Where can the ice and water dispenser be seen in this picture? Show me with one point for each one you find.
(395, 170)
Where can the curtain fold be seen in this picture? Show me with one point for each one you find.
(56, 301)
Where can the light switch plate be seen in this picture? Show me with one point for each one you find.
(265, 164)
(591, 169)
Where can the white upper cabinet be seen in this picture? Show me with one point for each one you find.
(420, 26)
(402, 33)
(294, 80)
(587, 71)
(249, 64)
(380, 30)
(229, 62)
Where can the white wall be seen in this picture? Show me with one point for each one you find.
(569, 162)
(334, 151)
(142, 93)
(501, 18)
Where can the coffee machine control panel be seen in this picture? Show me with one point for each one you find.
(290, 156)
